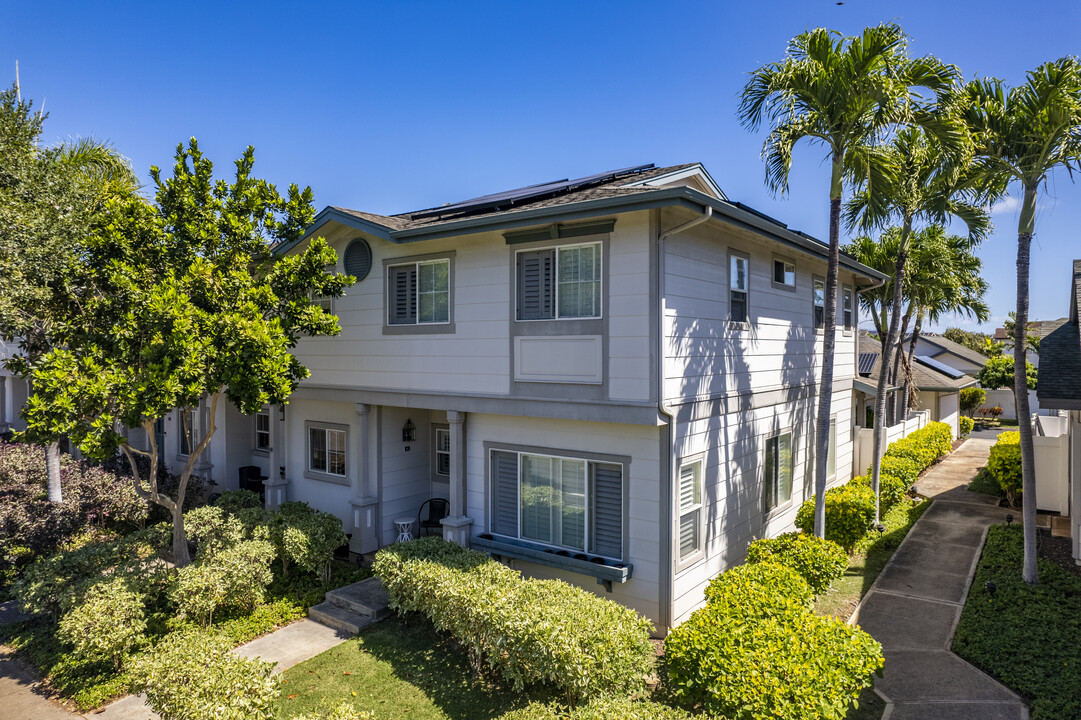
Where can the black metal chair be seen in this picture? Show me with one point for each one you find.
(251, 478)
(438, 508)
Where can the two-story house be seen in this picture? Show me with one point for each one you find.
(612, 380)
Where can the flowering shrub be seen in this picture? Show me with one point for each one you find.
(527, 631)
(818, 561)
(752, 652)
(107, 623)
(194, 676)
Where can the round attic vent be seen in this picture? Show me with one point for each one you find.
(358, 259)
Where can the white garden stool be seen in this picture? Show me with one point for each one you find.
(405, 529)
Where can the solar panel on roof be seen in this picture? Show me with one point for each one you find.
(942, 367)
(530, 192)
(867, 363)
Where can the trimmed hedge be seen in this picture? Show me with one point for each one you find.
(1004, 464)
(818, 561)
(609, 707)
(907, 469)
(924, 446)
(891, 490)
(527, 631)
(752, 652)
(107, 624)
(850, 513)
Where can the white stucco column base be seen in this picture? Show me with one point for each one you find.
(364, 538)
(456, 529)
(276, 492)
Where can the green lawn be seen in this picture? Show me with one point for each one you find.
(399, 669)
(1028, 637)
(872, 554)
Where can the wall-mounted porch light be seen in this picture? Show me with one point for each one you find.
(281, 413)
(409, 431)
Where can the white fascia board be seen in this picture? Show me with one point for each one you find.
(696, 170)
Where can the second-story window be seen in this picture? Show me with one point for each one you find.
(418, 293)
(738, 282)
(818, 296)
(563, 282)
(846, 308)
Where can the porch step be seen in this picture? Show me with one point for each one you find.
(353, 607)
(367, 597)
(339, 618)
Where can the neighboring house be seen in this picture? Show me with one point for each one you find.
(1038, 329)
(1058, 445)
(613, 380)
(937, 393)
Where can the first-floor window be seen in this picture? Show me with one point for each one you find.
(326, 450)
(565, 502)
(186, 433)
(831, 459)
(442, 451)
(262, 429)
(819, 298)
(690, 508)
(778, 470)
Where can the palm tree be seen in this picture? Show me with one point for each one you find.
(1021, 136)
(843, 93)
(924, 181)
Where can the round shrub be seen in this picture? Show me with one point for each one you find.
(306, 537)
(193, 676)
(108, 622)
(1004, 464)
(904, 468)
(891, 490)
(770, 587)
(609, 707)
(965, 425)
(970, 399)
(818, 561)
(213, 529)
(745, 659)
(236, 577)
(850, 513)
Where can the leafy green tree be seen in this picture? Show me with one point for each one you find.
(967, 338)
(971, 399)
(48, 198)
(998, 373)
(923, 182)
(184, 302)
(842, 93)
(1022, 135)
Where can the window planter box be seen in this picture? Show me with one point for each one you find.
(606, 571)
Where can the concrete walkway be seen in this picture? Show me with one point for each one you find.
(915, 604)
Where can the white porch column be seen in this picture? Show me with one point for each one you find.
(456, 525)
(5, 403)
(276, 485)
(365, 502)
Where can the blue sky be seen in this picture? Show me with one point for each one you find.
(389, 107)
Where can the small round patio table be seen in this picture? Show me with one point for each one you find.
(405, 529)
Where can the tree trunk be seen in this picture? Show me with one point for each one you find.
(52, 466)
(888, 345)
(1029, 572)
(181, 556)
(906, 392)
(829, 342)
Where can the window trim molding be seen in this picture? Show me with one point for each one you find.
(320, 475)
(779, 508)
(260, 451)
(181, 436)
(847, 330)
(795, 273)
(590, 457)
(682, 563)
(435, 429)
(747, 322)
(819, 330)
(555, 280)
(447, 328)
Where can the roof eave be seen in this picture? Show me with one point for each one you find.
(331, 214)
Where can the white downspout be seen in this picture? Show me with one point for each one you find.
(666, 411)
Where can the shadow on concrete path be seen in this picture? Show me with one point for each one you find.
(915, 604)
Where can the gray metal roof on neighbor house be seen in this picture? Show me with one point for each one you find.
(594, 196)
(949, 346)
(925, 375)
(1059, 384)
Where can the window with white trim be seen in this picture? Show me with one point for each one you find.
(563, 502)
(738, 283)
(262, 429)
(186, 436)
(322, 301)
(690, 509)
(784, 273)
(831, 458)
(442, 451)
(778, 479)
(559, 283)
(818, 297)
(326, 450)
(418, 293)
(847, 305)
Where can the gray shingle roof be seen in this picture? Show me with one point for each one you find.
(950, 346)
(925, 377)
(1060, 356)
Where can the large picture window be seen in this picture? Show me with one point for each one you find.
(563, 282)
(418, 293)
(778, 479)
(326, 450)
(564, 502)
